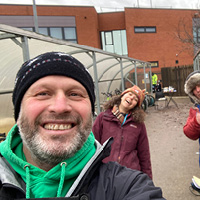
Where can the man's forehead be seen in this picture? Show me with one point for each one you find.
(59, 80)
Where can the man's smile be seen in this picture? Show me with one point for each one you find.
(58, 126)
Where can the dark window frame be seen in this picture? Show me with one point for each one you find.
(145, 29)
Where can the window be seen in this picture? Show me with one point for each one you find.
(196, 34)
(139, 30)
(70, 34)
(56, 33)
(64, 33)
(154, 64)
(145, 29)
(43, 31)
(108, 38)
(114, 42)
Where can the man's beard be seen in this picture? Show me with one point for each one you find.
(41, 151)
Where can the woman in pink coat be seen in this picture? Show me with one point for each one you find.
(123, 119)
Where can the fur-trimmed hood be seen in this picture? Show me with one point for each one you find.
(191, 81)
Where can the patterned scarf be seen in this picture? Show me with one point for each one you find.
(118, 114)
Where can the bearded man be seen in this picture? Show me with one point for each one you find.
(51, 153)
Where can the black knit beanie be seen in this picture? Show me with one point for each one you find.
(51, 63)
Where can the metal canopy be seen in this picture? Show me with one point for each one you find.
(17, 45)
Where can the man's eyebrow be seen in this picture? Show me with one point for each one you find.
(42, 86)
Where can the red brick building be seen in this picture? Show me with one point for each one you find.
(144, 34)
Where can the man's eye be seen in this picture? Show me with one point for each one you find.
(42, 94)
(76, 95)
(73, 94)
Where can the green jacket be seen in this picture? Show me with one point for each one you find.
(95, 181)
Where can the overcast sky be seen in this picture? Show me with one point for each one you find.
(114, 5)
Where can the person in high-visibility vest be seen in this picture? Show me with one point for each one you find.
(154, 81)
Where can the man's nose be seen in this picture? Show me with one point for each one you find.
(60, 104)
